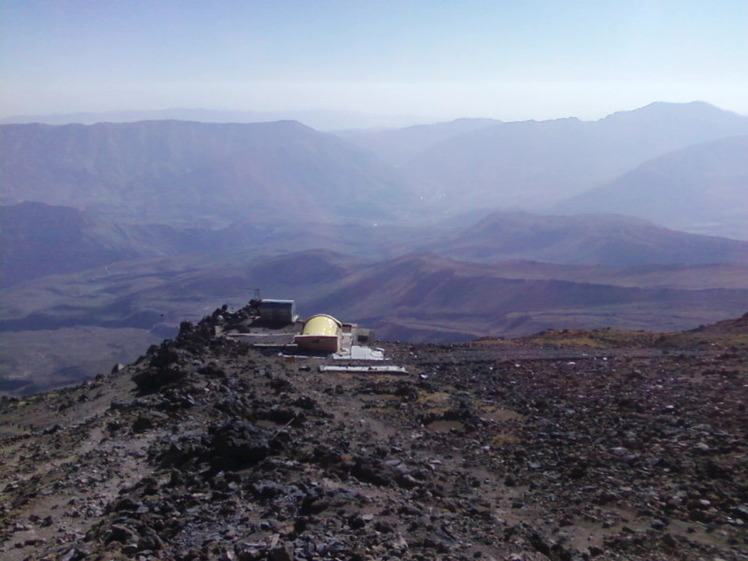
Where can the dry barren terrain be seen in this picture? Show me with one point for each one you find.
(566, 445)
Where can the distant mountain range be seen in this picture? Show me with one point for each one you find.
(321, 119)
(115, 232)
(533, 164)
(214, 174)
(197, 172)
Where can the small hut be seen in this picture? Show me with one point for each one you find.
(277, 312)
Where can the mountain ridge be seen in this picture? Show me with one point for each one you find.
(175, 170)
(536, 163)
(324, 120)
(596, 239)
(697, 188)
(450, 299)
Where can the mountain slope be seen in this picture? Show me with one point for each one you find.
(40, 239)
(428, 298)
(699, 188)
(536, 163)
(584, 239)
(48, 322)
(174, 170)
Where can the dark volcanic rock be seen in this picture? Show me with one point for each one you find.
(209, 449)
(237, 445)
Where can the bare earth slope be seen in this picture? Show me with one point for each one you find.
(564, 446)
(62, 329)
(593, 239)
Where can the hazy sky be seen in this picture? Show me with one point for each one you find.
(505, 59)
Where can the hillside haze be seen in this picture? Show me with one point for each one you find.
(209, 173)
(41, 239)
(218, 173)
(702, 187)
(398, 146)
(533, 164)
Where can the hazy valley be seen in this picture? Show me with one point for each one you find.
(115, 232)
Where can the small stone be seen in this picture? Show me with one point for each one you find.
(120, 533)
(702, 447)
(281, 553)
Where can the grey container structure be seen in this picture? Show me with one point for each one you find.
(277, 312)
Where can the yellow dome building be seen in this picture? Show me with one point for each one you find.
(321, 333)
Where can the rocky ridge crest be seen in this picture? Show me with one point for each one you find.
(568, 446)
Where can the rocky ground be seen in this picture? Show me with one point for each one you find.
(564, 446)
